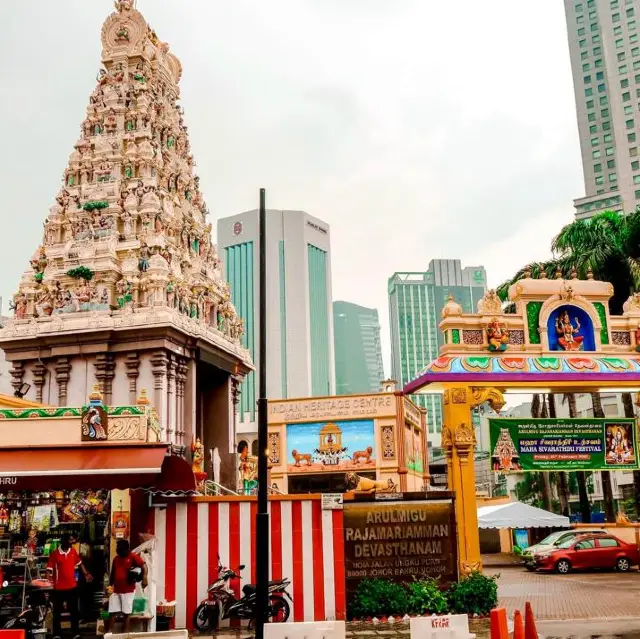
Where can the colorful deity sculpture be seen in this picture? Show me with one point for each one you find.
(248, 466)
(568, 338)
(497, 335)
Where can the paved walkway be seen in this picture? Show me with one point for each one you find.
(574, 596)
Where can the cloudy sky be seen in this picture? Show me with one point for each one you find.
(417, 129)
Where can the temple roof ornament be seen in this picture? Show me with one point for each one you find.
(490, 304)
(128, 230)
(451, 308)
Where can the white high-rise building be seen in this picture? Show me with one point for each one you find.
(605, 61)
(300, 353)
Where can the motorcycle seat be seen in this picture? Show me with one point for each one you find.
(249, 589)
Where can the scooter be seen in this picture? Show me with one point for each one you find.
(221, 602)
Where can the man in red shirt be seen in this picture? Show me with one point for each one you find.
(127, 570)
(63, 564)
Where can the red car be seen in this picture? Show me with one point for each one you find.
(589, 551)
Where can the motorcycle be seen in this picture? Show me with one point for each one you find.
(32, 619)
(221, 602)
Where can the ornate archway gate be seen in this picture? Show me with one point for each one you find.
(560, 339)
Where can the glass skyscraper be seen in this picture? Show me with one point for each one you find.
(358, 350)
(415, 307)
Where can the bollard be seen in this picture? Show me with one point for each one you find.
(530, 630)
(518, 625)
(499, 626)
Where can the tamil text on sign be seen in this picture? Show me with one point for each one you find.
(563, 444)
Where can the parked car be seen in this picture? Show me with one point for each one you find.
(604, 552)
(553, 541)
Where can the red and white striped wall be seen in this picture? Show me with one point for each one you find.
(306, 545)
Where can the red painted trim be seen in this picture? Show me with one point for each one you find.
(318, 561)
(298, 568)
(234, 543)
(170, 558)
(338, 565)
(192, 561)
(276, 541)
(253, 513)
(214, 542)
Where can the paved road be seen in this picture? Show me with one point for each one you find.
(592, 596)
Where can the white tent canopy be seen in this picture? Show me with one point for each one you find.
(518, 515)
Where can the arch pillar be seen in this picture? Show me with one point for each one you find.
(458, 442)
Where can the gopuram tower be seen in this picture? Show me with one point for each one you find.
(126, 290)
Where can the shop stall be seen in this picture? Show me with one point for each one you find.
(84, 472)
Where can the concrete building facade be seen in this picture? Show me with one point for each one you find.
(604, 49)
(358, 350)
(416, 301)
(299, 304)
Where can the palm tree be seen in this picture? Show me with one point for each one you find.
(607, 492)
(581, 477)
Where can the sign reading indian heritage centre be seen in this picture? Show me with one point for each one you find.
(563, 444)
(399, 541)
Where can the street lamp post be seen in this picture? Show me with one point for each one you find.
(262, 516)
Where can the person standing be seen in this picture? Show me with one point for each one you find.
(63, 564)
(127, 569)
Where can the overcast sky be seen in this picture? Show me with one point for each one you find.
(417, 129)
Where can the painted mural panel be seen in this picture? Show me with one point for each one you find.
(413, 449)
(337, 446)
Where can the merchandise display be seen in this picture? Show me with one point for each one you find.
(31, 527)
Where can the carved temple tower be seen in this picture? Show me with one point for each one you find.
(126, 289)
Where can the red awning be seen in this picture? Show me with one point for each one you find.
(94, 466)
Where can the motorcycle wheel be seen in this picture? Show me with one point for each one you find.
(279, 609)
(206, 617)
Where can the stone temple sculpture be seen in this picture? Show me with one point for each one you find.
(128, 229)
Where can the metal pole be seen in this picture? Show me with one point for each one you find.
(262, 516)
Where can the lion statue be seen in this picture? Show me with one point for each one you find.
(306, 457)
(357, 484)
(363, 454)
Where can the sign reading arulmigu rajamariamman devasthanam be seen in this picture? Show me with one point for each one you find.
(563, 444)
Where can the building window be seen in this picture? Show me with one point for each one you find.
(628, 110)
(588, 91)
(631, 25)
(578, 8)
(597, 51)
(598, 63)
(617, 31)
(637, 195)
(597, 168)
(599, 179)
(626, 96)
(581, 31)
(614, 4)
(600, 75)
(595, 141)
(635, 52)
(591, 117)
(594, 26)
(631, 137)
(611, 164)
(604, 113)
(587, 79)
(633, 39)
(633, 151)
(622, 69)
(630, 13)
(608, 138)
(613, 177)
(595, 38)
(615, 17)
(636, 179)
(624, 83)
(585, 66)
(596, 154)
(590, 104)
(635, 165)
(619, 43)
(593, 128)
(601, 88)
(606, 126)
(629, 124)
(609, 150)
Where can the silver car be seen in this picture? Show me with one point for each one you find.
(553, 541)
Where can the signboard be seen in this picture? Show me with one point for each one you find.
(120, 525)
(399, 541)
(332, 501)
(335, 447)
(563, 444)
(332, 408)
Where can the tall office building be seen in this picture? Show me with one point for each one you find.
(299, 315)
(605, 61)
(415, 308)
(357, 347)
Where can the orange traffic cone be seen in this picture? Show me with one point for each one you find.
(518, 625)
(499, 627)
(530, 630)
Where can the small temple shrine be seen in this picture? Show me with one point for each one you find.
(126, 288)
